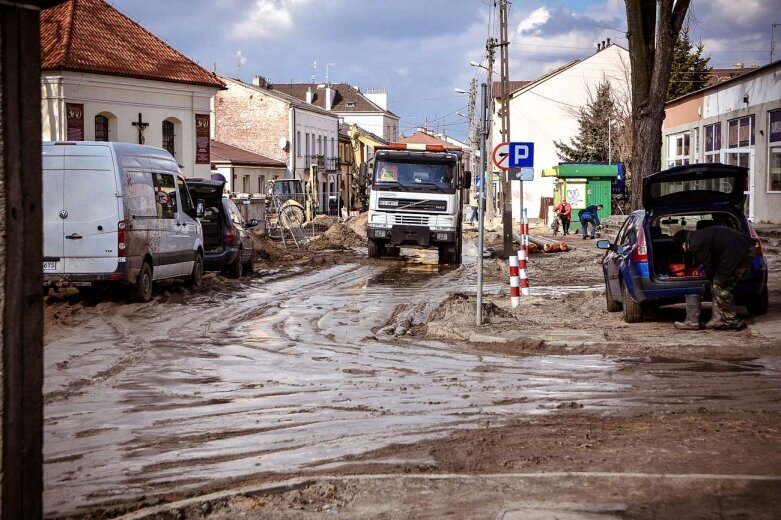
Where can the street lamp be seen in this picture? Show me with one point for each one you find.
(460, 91)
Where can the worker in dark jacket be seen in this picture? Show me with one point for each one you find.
(725, 253)
(589, 215)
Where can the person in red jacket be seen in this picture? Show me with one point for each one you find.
(564, 211)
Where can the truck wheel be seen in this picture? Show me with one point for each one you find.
(141, 291)
(375, 248)
(194, 279)
(393, 252)
(446, 255)
(458, 253)
(235, 268)
(612, 305)
(758, 306)
(633, 312)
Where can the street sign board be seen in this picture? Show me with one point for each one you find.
(501, 155)
(522, 174)
(521, 155)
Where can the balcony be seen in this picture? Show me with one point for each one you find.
(323, 163)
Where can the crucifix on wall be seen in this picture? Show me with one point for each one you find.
(140, 125)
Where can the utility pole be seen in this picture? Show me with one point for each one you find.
(490, 45)
(473, 125)
(485, 124)
(507, 201)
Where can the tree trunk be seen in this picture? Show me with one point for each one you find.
(653, 26)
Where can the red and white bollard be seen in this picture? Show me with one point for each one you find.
(515, 290)
(523, 257)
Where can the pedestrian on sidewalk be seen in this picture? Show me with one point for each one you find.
(564, 212)
(725, 254)
(589, 215)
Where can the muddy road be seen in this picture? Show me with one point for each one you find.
(355, 388)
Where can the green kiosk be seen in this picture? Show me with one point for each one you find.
(584, 184)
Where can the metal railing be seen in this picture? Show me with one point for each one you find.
(327, 164)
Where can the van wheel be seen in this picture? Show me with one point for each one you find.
(612, 305)
(141, 292)
(195, 278)
(633, 312)
(758, 307)
(250, 266)
(235, 269)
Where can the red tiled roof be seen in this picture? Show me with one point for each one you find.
(225, 152)
(424, 138)
(496, 88)
(719, 75)
(347, 98)
(92, 36)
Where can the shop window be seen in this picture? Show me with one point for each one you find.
(774, 151)
(679, 149)
(712, 142)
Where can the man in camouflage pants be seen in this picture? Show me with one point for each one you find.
(726, 254)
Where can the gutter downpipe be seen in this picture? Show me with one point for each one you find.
(293, 144)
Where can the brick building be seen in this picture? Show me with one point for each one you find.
(280, 127)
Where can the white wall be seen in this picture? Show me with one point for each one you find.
(124, 98)
(378, 124)
(547, 112)
(326, 127)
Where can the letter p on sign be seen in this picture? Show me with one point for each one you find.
(521, 155)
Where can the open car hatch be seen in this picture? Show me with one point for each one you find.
(694, 185)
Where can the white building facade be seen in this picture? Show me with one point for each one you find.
(737, 122)
(98, 107)
(545, 111)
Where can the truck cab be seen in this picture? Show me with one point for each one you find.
(416, 196)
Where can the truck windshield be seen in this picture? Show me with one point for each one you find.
(417, 176)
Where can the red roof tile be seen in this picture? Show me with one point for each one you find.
(224, 152)
(92, 36)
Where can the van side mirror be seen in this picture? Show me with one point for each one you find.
(467, 179)
(252, 223)
(200, 206)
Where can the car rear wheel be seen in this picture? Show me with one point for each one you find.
(141, 291)
(758, 306)
(235, 268)
(612, 305)
(633, 312)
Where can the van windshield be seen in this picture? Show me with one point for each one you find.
(416, 176)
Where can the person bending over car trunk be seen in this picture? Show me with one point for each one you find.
(726, 254)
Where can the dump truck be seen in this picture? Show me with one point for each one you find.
(415, 199)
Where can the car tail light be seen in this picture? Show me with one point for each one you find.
(640, 254)
(230, 236)
(121, 244)
(757, 246)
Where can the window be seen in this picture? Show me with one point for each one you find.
(245, 184)
(298, 143)
(165, 195)
(678, 151)
(101, 128)
(307, 144)
(741, 132)
(712, 142)
(168, 137)
(262, 184)
(184, 197)
(235, 214)
(774, 151)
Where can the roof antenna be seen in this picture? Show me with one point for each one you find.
(240, 60)
(314, 72)
(327, 66)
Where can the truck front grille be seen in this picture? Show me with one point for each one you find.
(415, 220)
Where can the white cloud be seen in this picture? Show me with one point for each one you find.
(537, 18)
(403, 71)
(266, 18)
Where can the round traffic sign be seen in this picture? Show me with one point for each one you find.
(501, 156)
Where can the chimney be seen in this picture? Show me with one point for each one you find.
(378, 96)
(309, 95)
(330, 95)
(260, 81)
(608, 42)
(598, 47)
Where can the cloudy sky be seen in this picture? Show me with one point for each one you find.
(419, 50)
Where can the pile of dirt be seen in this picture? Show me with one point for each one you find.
(325, 220)
(274, 251)
(358, 224)
(338, 236)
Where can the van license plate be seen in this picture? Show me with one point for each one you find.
(50, 266)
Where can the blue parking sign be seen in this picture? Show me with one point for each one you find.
(521, 155)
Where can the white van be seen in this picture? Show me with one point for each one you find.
(117, 212)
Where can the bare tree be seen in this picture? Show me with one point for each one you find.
(653, 26)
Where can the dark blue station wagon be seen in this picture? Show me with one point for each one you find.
(643, 268)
